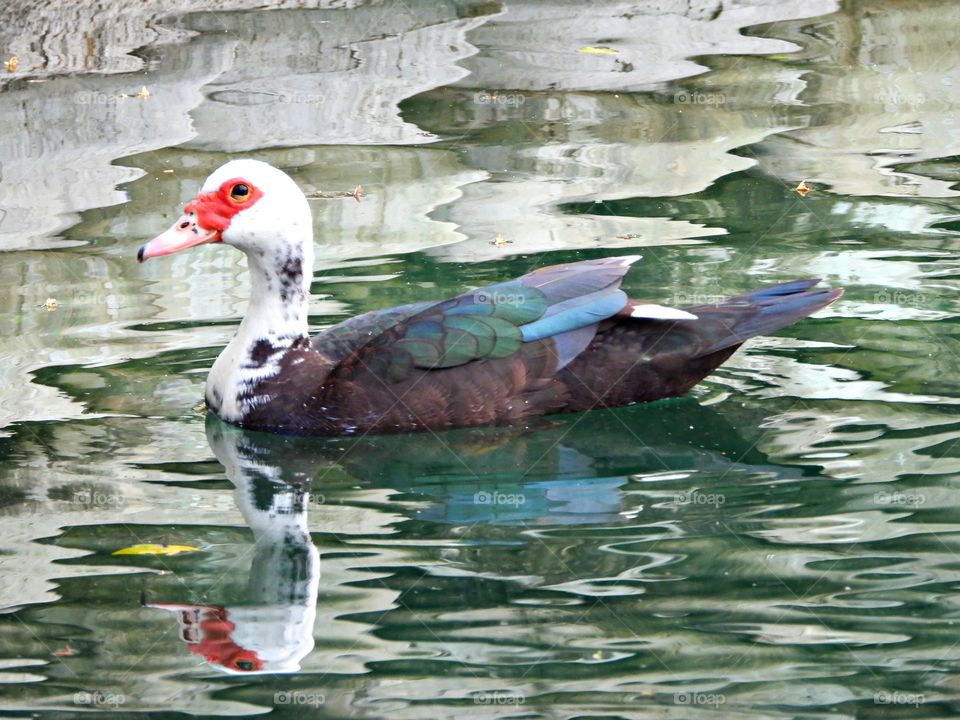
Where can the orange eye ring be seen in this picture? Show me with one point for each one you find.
(239, 192)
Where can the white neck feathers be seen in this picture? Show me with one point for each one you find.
(276, 318)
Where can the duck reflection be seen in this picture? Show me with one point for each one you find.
(270, 629)
(559, 473)
(570, 471)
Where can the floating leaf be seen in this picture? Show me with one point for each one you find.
(802, 188)
(65, 651)
(144, 93)
(12, 64)
(50, 304)
(150, 549)
(597, 50)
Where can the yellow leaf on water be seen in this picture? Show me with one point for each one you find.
(150, 549)
(597, 50)
(144, 93)
(12, 64)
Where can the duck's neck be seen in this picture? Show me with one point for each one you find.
(275, 320)
(279, 295)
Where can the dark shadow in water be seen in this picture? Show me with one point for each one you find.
(564, 472)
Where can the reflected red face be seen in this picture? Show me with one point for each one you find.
(215, 643)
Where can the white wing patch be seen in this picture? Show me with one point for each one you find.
(651, 311)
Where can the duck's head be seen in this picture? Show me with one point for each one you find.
(246, 203)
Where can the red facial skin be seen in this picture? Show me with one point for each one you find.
(214, 210)
(214, 643)
(204, 219)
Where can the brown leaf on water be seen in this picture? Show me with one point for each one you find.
(65, 651)
(12, 63)
(802, 188)
(143, 94)
(50, 304)
(499, 241)
(356, 194)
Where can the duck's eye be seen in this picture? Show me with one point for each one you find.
(239, 192)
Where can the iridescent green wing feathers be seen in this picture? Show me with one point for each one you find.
(561, 304)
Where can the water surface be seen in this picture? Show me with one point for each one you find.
(780, 544)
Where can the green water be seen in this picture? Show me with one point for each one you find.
(782, 543)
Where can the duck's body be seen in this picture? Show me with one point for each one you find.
(561, 339)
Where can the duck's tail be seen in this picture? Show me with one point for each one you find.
(737, 319)
(634, 358)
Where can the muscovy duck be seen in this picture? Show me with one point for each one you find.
(563, 338)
